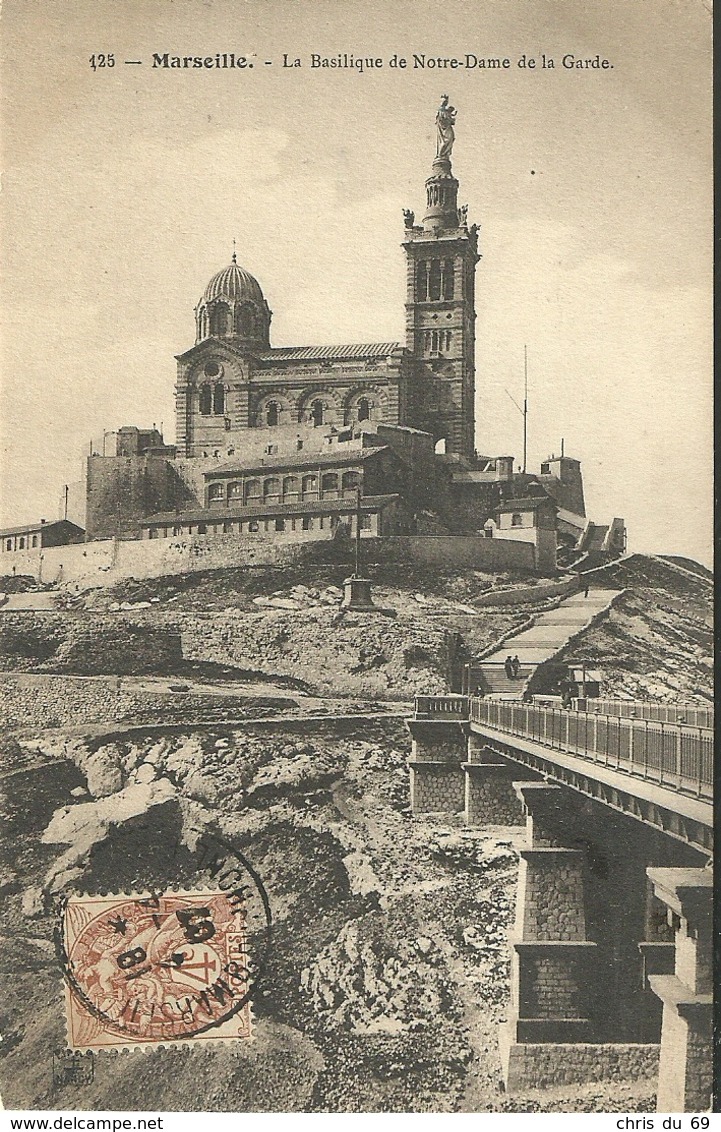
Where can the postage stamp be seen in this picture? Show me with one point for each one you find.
(146, 969)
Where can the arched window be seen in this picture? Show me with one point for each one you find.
(216, 494)
(364, 409)
(245, 321)
(290, 488)
(35, 540)
(21, 545)
(252, 491)
(272, 413)
(516, 520)
(329, 485)
(220, 320)
(316, 413)
(206, 400)
(235, 491)
(440, 448)
(9, 544)
(219, 400)
(310, 487)
(448, 279)
(422, 282)
(271, 489)
(434, 280)
(350, 482)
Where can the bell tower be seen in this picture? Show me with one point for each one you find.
(441, 255)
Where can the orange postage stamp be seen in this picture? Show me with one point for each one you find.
(152, 969)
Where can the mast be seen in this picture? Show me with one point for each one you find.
(525, 406)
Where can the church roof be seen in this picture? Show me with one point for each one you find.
(529, 503)
(339, 454)
(234, 283)
(320, 353)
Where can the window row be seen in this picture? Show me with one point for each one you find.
(315, 413)
(286, 489)
(436, 341)
(219, 321)
(20, 542)
(434, 280)
(262, 526)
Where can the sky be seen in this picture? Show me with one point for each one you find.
(123, 189)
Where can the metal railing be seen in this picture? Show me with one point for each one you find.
(642, 709)
(674, 755)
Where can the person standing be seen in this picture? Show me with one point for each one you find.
(508, 665)
(515, 666)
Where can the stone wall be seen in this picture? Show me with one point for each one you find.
(543, 1066)
(523, 595)
(102, 563)
(34, 701)
(453, 550)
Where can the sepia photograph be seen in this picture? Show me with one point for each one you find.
(356, 591)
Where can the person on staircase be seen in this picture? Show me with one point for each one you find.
(508, 665)
(516, 666)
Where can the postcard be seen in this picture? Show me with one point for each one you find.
(356, 645)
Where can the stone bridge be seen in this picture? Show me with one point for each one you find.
(612, 947)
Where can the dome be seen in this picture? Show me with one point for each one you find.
(233, 283)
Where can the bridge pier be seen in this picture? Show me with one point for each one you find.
(551, 956)
(490, 798)
(685, 1071)
(438, 781)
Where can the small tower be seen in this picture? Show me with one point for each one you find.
(442, 253)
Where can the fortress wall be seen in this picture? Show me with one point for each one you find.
(92, 564)
(453, 550)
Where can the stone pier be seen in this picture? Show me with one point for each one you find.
(490, 798)
(551, 956)
(569, 980)
(438, 781)
(685, 1072)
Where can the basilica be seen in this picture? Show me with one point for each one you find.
(311, 441)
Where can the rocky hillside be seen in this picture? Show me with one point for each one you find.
(657, 643)
(387, 973)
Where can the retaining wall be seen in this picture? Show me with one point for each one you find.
(40, 701)
(92, 564)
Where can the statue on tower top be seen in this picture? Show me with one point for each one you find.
(445, 121)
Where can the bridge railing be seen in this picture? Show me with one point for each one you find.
(643, 709)
(674, 755)
(441, 707)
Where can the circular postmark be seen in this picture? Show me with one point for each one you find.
(166, 966)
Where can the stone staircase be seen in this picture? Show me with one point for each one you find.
(542, 641)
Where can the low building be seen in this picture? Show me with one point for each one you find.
(533, 520)
(381, 515)
(34, 536)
